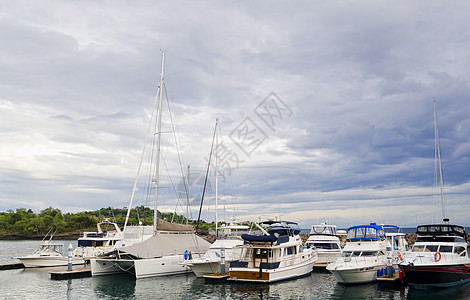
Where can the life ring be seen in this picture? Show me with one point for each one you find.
(437, 256)
(399, 255)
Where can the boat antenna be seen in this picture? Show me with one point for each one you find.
(205, 180)
(440, 164)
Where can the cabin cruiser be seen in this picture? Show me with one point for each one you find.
(110, 236)
(223, 251)
(92, 244)
(276, 255)
(364, 255)
(440, 257)
(325, 239)
(48, 254)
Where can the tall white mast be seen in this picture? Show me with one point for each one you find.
(159, 136)
(216, 175)
(187, 197)
(439, 162)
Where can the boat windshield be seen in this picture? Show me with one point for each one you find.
(326, 246)
(368, 232)
(323, 229)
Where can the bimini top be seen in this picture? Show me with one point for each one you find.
(366, 232)
(323, 229)
(277, 231)
(442, 230)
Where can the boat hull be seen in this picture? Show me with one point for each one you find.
(39, 262)
(162, 266)
(111, 266)
(359, 275)
(204, 268)
(422, 277)
(272, 275)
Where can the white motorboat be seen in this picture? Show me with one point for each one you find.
(92, 244)
(440, 257)
(277, 255)
(48, 254)
(108, 237)
(364, 255)
(325, 239)
(225, 249)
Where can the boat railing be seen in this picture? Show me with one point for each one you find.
(441, 257)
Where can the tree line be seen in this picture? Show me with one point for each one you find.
(25, 222)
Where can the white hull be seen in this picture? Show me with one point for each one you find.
(167, 265)
(327, 257)
(361, 275)
(56, 261)
(111, 266)
(141, 268)
(274, 275)
(201, 269)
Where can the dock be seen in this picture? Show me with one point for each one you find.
(77, 273)
(11, 266)
(395, 279)
(215, 278)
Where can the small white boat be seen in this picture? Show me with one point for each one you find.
(325, 239)
(364, 255)
(225, 249)
(278, 255)
(48, 254)
(93, 244)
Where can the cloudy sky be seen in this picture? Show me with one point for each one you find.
(325, 107)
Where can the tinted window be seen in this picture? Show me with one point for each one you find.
(445, 249)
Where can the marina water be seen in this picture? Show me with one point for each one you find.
(36, 284)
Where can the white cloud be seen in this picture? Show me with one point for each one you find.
(78, 83)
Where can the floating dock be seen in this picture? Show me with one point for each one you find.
(395, 279)
(215, 278)
(11, 266)
(77, 273)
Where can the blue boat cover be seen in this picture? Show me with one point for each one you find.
(259, 238)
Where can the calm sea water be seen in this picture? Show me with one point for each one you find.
(36, 284)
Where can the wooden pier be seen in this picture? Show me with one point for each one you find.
(11, 266)
(77, 273)
(395, 279)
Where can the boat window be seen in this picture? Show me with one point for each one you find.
(445, 249)
(346, 254)
(261, 253)
(360, 232)
(431, 248)
(351, 233)
(327, 246)
(418, 248)
(369, 253)
(356, 253)
(290, 250)
(371, 232)
(459, 250)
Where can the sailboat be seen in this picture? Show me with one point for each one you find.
(225, 248)
(171, 244)
(440, 256)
